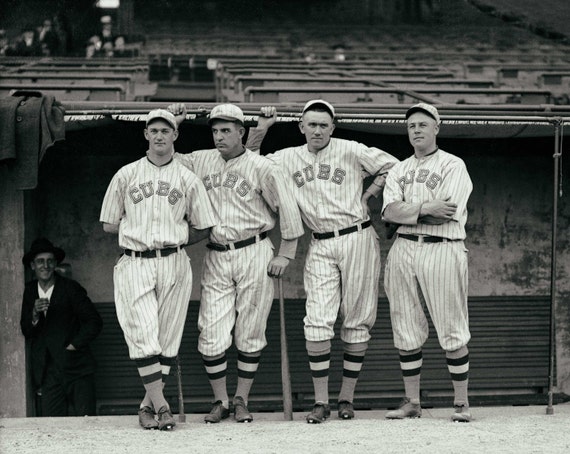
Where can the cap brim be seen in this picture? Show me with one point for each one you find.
(221, 117)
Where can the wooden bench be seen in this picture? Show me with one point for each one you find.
(387, 95)
(69, 92)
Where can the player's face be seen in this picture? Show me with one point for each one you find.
(317, 128)
(422, 132)
(228, 137)
(44, 266)
(161, 137)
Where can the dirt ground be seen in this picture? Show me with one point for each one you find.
(507, 430)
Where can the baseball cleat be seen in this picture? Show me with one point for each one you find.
(319, 413)
(217, 413)
(406, 410)
(345, 409)
(241, 413)
(165, 419)
(146, 418)
(462, 413)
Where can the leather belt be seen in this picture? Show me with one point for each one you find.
(423, 238)
(152, 254)
(238, 244)
(337, 233)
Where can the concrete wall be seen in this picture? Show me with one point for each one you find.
(509, 226)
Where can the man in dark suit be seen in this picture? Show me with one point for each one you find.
(60, 321)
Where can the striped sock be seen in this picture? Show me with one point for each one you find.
(319, 363)
(352, 365)
(411, 365)
(216, 369)
(151, 375)
(247, 365)
(458, 365)
(166, 364)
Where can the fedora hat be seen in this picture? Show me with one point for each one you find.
(40, 246)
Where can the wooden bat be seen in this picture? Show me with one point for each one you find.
(181, 414)
(285, 374)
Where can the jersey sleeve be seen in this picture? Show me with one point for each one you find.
(187, 160)
(199, 211)
(113, 207)
(375, 161)
(457, 186)
(394, 208)
(281, 200)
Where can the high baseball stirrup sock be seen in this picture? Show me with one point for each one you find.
(458, 365)
(411, 365)
(352, 365)
(247, 365)
(151, 375)
(319, 362)
(165, 365)
(216, 369)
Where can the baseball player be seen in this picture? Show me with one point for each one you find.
(246, 191)
(156, 206)
(342, 267)
(426, 195)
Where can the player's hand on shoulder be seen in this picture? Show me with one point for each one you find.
(277, 266)
(267, 117)
(178, 109)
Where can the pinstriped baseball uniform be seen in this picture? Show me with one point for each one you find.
(341, 273)
(419, 271)
(245, 192)
(153, 206)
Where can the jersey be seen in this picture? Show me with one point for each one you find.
(414, 181)
(153, 205)
(328, 184)
(245, 192)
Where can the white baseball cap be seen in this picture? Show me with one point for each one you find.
(319, 103)
(163, 115)
(428, 109)
(228, 112)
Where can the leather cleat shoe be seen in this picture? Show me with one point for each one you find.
(146, 418)
(345, 409)
(462, 413)
(217, 413)
(241, 413)
(406, 410)
(165, 419)
(319, 413)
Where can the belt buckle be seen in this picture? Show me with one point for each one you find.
(420, 239)
(158, 253)
(336, 233)
(230, 247)
(359, 227)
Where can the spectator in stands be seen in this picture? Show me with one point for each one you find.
(94, 47)
(48, 38)
(4, 43)
(64, 36)
(60, 321)
(107, 35)
(339, 52)
(28, 44)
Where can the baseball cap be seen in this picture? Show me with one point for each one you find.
(319, 103)
(428, 109)
(163, 115)
(228, 112)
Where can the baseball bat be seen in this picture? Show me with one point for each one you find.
(181, 414)
(285, 374)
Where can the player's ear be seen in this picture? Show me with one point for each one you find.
(301, 128)
(436, 129)
(146, 135)
(241, 131)
(175, 135)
